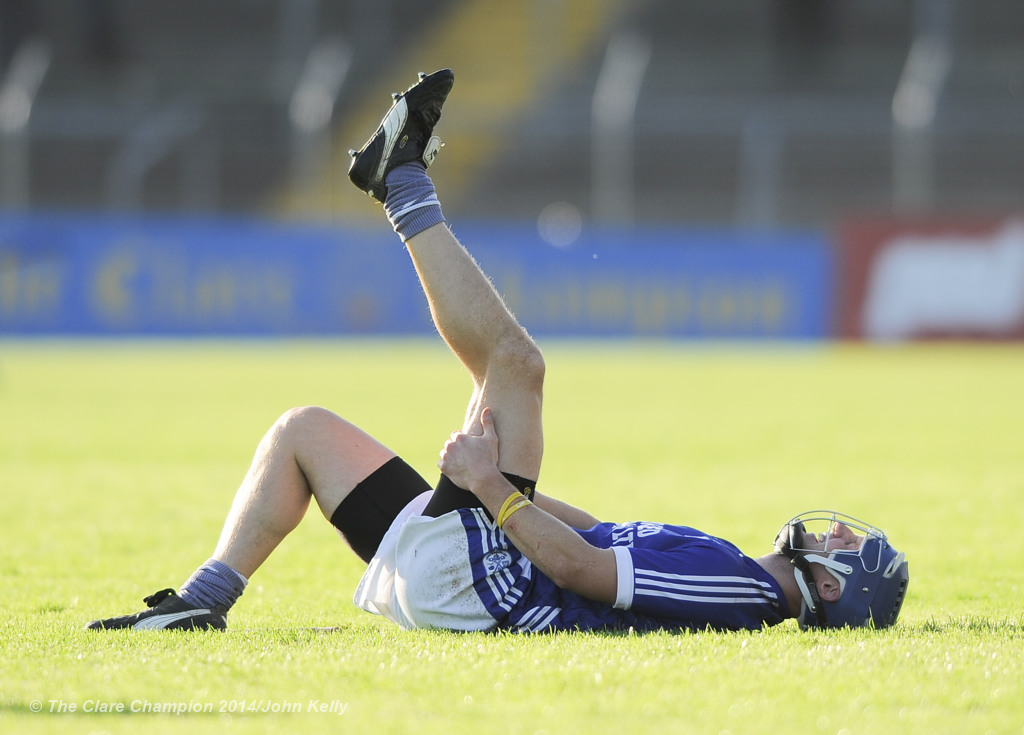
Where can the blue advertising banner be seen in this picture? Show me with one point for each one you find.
(690, 283)
(95, 275)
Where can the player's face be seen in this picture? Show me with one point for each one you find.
(839, 537)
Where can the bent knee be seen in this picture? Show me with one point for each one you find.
(522, 361)
(302, 418)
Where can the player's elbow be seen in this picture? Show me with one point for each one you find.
(564, 573)
(591, 574)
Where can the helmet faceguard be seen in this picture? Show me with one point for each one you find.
(872, 578)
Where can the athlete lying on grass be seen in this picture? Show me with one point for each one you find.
(483, 550)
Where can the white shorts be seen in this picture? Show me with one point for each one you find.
(421, 576)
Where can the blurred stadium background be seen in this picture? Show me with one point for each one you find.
(741, 168)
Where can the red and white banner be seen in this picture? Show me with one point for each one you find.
(928, 280)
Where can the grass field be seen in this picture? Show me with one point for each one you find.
(118, 461)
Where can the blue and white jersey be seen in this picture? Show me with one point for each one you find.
(670, 577)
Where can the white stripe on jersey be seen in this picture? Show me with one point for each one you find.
(703, 577)
(499, 591)
(538, 618)
(703, 588)
(500, 583)
(702, 598)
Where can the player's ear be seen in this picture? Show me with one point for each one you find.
(828, 587)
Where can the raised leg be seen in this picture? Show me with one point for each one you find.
(506, 366)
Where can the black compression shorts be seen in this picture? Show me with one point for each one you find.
(367, 512)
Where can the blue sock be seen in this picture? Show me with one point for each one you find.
(411, 204)
(212, 584)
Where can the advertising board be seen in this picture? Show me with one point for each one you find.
(903, 280)
(93, 275)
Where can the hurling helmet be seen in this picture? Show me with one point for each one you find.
(872, 578)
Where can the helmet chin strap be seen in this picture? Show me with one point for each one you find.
(808, 589)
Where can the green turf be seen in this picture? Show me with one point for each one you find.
(118, 461)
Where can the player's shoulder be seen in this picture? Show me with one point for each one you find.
(632, 532)
(667, 537)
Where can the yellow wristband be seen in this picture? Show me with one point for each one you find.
(513, 504)
(505, 506)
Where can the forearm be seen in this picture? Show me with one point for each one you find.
(471, 462)
(569, 515)
(550, 544)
